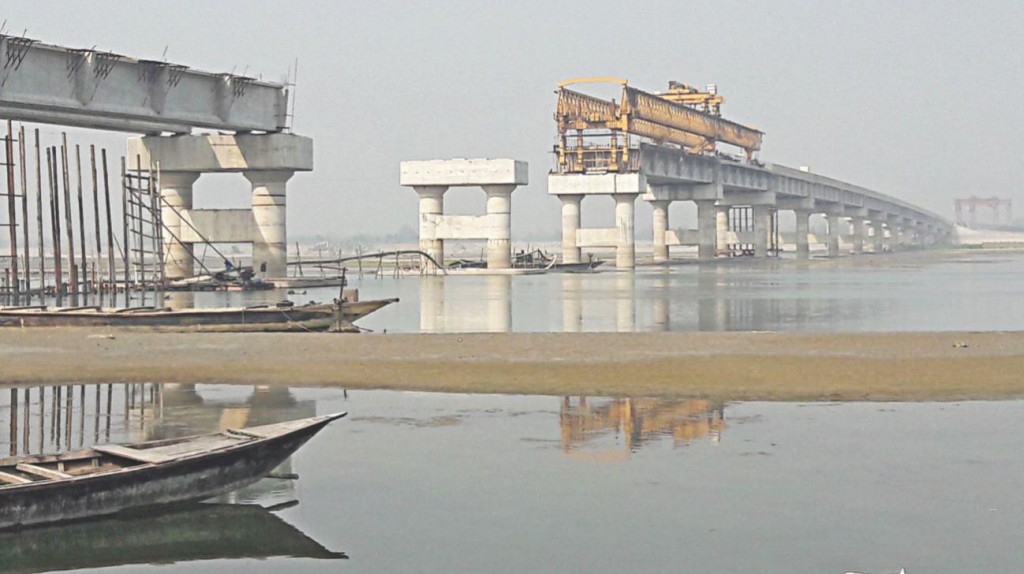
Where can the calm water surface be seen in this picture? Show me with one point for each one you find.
(416, 482)
(929, 291)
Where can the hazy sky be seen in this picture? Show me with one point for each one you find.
(917, 99)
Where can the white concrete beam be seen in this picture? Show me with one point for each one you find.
(87, 88)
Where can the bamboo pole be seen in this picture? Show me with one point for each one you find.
(83, 267)
(24, 211)
(110, 229)
(12, 213)
(68, 219)
(95, 211)
(124, 228)
(58, 264)
(41, 248)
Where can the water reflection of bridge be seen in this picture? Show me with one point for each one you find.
(680, 298)
(637, 421)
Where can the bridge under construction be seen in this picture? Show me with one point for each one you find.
(664, 147)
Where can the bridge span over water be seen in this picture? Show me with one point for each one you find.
(663, 148)
(737, 206)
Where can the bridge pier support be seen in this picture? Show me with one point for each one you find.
(762, 226)
(722, 230)
(803, 231)
(625, 250)
(624, 188)
(878, 239)
(270, 244)
(176, 202)
(571, 252)
(268, 161)
(834, 223)
(858, 235)
(497, 177)
(660, 224)
(499, 225)
(707, 230)
(431, 208)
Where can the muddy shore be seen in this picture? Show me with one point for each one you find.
(730, 366)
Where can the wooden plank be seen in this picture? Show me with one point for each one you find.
(13, 478)
(133, 454)
(42, 472)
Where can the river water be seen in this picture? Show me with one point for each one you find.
(924, 291)
(418, 482)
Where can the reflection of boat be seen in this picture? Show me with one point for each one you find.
(112, 478)
(336, 316)
(198, 532)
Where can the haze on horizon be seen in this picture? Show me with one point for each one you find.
(916, 99)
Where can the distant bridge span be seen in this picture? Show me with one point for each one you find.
(718, 186)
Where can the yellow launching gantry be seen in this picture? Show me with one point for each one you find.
(683, 116)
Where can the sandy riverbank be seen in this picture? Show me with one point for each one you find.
(731, 366)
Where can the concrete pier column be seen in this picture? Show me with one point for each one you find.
(834, 225)
(431, 208)
(625, 250)
(570, 227)
(176, 193)
(858, 235)
(878, 240)
(722, 230)
(661, 253)
(499, 226)
(762, 215)
(803, 231)
(270, 240)
(707, 230)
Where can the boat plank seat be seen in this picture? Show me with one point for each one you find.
(174, 451)
(13, 478)
(138, 455)
(41, 472)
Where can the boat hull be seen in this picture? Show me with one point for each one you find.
(188, 479)
(326, 317)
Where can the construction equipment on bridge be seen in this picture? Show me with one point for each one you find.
(684, 116)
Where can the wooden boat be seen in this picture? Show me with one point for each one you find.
(337, 316)
(109, 479)
(173, 535)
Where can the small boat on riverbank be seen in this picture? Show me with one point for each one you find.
(337, 316)
(109, 479)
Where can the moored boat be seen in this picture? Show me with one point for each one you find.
(109, 479)
(336, 316)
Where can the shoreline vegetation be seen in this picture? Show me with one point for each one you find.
(727, 366)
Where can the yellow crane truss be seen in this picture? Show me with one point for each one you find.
(663, 118)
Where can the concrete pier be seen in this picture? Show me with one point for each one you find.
(571, 189)
(625, 248)
(497, 177)
(660, 225)
(707, 230)
(268, 161)
(803, 231)
(570, 228)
